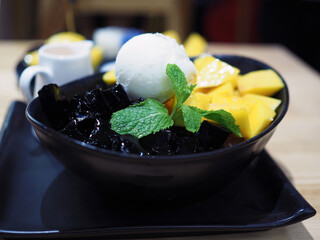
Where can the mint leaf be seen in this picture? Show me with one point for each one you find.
(179, 83)
(141, 119)
(178, 118)
(178, 79)
(187, 92)
(225, 119)
(222, 117)
(192, 118)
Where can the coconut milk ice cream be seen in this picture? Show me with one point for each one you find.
(141, 66)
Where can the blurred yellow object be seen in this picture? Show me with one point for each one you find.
(212, 72)
(65, 37)
(195, 45)
(32, 58)
(109, 77)
(96, 56)
(173, 34)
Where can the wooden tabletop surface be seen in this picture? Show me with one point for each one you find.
(295, 145)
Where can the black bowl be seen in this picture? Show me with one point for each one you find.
(161, 178)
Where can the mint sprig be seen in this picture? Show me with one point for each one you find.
(193, 118)
(179, 83)
(151, 116)
(180, 86)
(141, 119)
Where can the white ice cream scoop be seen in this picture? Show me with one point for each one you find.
(141, 66)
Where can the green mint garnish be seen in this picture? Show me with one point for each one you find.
(141, 119)
(224, 118)
(151, 116)
(192, 118)
(180, 86)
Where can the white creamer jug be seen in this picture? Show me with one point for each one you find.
(59, 63)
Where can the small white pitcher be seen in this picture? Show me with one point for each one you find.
(59, 63)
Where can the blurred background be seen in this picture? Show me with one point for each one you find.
(293, 23)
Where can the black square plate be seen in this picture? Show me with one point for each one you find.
(40, 198)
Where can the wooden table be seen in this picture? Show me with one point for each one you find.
(295, 145)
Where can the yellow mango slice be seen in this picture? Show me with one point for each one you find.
(242, 120)
(199, 100)
(173, 34)
(96, 56)
(251, 99)
(212, 72)
(263, 82)
(195, 45)
(236, 93)
(234, 81)
(203, 61)
(225, 90)
(109, 77)
(228, 100)
(260, 117)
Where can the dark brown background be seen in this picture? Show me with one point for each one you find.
(294, 23)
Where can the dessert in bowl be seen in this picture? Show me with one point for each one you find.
(142, 170)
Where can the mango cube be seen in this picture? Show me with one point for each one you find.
(251, 99)
(224, 90)
(247, 97)
(96, 56)
(203, 61)
(234, 81)
(260, 117)
(212, 72)
(263, 82)
(199, 100)
(109, 77)
(241, 116)
(227, 100)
